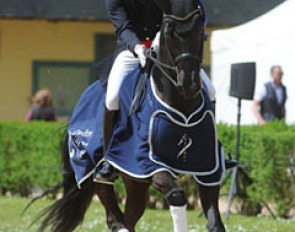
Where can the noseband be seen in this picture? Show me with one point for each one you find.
(182, 56)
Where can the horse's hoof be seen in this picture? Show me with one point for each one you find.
(217, 229)
(118, 227)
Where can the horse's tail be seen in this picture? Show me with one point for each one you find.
(68, 212)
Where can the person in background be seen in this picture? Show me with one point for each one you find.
(42, 107)
(269, 102)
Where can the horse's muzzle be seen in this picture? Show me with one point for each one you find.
(189, 84)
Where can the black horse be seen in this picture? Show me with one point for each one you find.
(177, 83)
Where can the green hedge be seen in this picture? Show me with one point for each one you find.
(30, 156)
(268, 154)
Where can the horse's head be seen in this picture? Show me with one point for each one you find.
(181, 44)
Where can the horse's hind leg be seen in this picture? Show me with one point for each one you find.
(137, 196)
(164, 182)
(115, 217)
(209, 198)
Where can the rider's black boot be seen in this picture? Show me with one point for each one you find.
(105, 172)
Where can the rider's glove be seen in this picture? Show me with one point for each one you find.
(140, 51)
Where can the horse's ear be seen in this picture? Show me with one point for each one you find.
(164, 5)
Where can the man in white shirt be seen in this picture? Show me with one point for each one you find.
(269, 102)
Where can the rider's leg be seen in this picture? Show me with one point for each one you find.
(123, 65)
(209, 198)
(176, 199)
(106, 170)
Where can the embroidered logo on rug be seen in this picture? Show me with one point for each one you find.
(185, 143)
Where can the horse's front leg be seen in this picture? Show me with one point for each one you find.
(209, 198)
(137, 196)
(175, 196)
(114, 215)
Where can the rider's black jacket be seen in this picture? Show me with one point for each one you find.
(134, 21)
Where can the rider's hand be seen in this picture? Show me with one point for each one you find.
(140, 51)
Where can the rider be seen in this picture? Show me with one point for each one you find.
(137, 23)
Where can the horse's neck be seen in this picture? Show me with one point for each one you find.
(170, 95)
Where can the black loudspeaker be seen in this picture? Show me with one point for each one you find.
(243, 76)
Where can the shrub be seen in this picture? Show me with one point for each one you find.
(266, 152)
(30, 156)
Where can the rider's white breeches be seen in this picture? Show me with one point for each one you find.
(123, 65)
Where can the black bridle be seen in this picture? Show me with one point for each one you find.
(183, 56)
(138, 97)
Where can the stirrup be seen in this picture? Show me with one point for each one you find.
(105, 180)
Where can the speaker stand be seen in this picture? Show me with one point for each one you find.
(236, 171)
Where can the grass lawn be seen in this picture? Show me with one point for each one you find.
(152, 221)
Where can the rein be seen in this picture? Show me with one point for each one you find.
(160, 65)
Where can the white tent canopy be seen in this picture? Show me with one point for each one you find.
(266, 40)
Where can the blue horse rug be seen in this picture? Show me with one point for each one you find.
(155, 138)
